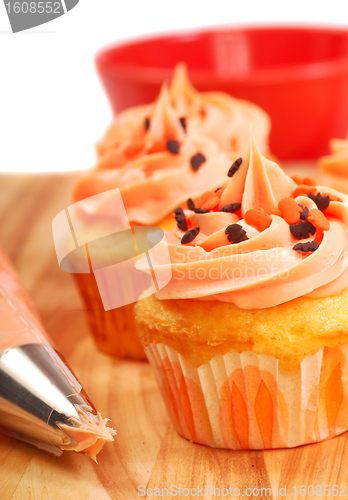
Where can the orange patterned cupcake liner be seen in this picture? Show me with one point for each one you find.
(244, 401)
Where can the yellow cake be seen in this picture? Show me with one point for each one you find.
(201, 330)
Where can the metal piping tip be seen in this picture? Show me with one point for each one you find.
(42, 403)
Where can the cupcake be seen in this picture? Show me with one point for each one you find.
(335, 165)
(159, 155)
(249, 340)
(177, 147)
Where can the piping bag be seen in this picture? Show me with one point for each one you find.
(41, 401)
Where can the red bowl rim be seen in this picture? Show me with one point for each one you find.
(298, 72)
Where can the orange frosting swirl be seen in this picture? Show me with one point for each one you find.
(263, 270)
(133, 154)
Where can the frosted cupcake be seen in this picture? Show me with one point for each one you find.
(249, 340)
(159, 155)
(335, 165)
(179, 146)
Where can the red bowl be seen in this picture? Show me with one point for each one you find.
(299, 75)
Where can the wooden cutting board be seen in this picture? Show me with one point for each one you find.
(146, 451)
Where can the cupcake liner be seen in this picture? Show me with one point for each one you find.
(244, 401)
(114, 331)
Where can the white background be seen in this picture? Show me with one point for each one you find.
(52, 108)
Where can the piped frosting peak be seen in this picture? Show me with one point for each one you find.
(161, 153)
(262, 240)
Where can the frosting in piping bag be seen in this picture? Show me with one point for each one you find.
(39, 388)
(263, 270)
(134, 156)
(15, 306)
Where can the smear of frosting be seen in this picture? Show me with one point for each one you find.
(133, 154)
(88, 435)
(264, 270)
(337, 162)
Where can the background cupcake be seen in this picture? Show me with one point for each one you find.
(249, 339)
(335, 165)
(179, 146)
(159, 155)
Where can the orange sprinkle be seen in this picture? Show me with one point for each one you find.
(219, 192)
(258, 219)
(211, 203)
(290, 210)
(205, 196)
(318, 219)
(332, 197)
(304, 188)
(297, 178)
(309, 181)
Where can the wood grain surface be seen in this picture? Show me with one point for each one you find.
(146, 451)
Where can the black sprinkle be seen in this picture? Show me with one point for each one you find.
(147, 123)
(236, 233)
(190, 235)
(310, 246)
(190, 204)
(321, 201)
(183, 122)
(216, 190)
(234, 167)
(197, 160)
(231, 208)
(173, 146)
(305, 213)
(302, 229)
(200, 210)
(182, 225)
(180, 219)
